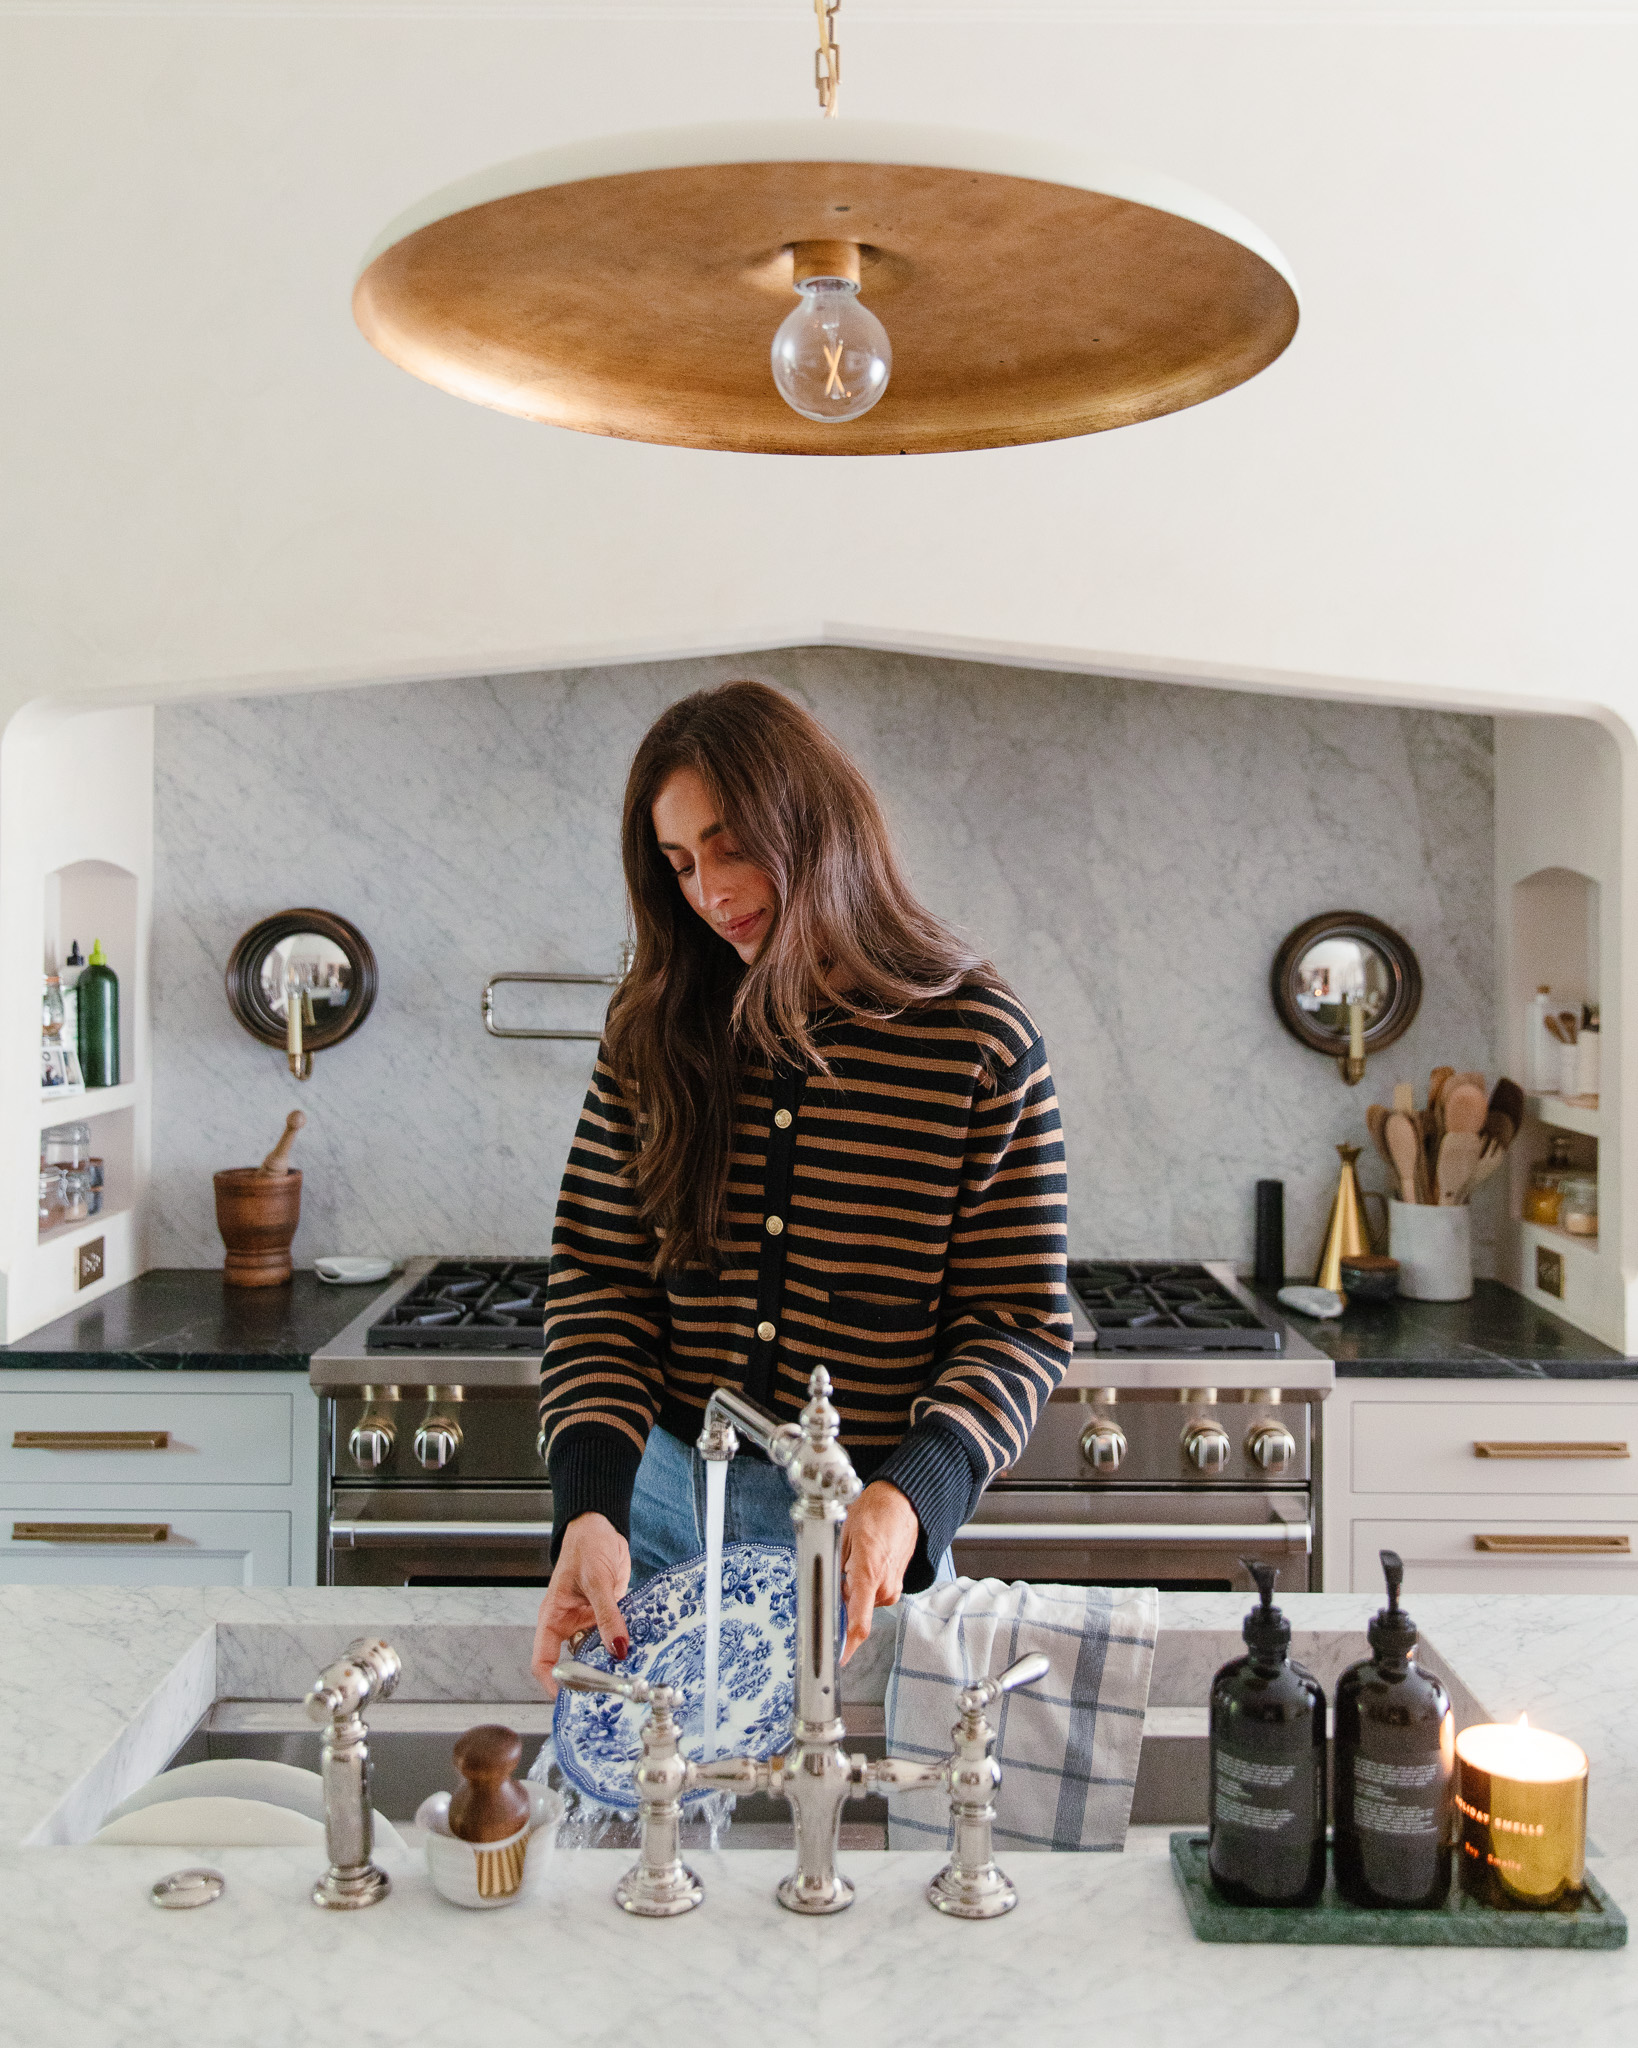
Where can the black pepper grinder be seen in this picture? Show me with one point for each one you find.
(1267, 1767)
(1395, 1762)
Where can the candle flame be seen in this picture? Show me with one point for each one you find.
(1523, 1721)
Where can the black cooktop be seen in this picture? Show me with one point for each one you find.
(468, 1305)
(1145, 1305)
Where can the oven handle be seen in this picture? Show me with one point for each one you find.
(359, 1535)
(1295, 1535)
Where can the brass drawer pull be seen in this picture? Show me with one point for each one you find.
(90, 1532)
(91, 1440)
(1549, 1450)
(1556, 1546)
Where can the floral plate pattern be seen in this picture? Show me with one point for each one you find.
(598, 1736)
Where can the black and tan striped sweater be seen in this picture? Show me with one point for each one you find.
(900, 1220)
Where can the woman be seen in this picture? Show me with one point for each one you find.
(821, 1131)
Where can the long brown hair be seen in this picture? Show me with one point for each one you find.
(847, 936)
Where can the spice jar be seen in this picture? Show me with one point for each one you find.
(1541, 1195)
(1578, 1204)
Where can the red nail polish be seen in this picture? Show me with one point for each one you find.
(622, 1649)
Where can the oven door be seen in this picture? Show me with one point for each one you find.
(425, 1536)
(1181, 1541)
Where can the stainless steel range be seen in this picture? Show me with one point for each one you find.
(431, 1404)
(1184, 1440)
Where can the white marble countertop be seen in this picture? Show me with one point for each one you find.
(100, 1685)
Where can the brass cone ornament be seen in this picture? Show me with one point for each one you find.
(633, 286)
(1345, 1234)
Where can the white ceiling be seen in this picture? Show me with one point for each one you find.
(211, 482)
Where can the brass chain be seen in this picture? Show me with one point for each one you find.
(827, 59)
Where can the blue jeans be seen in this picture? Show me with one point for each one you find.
(668, 1507)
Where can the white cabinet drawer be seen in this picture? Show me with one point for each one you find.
(210, 1547)
(152, 1438)
(1495, 1449)
(1487, 1552)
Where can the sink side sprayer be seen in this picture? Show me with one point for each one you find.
(813, 1775)
(369, 1671)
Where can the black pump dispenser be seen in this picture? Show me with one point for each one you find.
(1267, 1766)
(1395, 1762)
(1266, 1630)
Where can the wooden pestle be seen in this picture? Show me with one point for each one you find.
(278, 1160)
(490, 1804)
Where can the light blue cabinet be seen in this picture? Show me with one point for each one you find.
(199, 1479)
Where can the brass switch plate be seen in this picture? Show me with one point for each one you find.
(1550, 1272)
(89, 1266)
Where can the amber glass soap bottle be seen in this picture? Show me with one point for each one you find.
(1395, 1760)
(1267, 1767)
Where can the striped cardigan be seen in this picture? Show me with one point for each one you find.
(900, 1220)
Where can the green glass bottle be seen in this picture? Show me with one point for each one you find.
(98, 991)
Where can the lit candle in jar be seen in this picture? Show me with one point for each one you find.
(1521, 1795)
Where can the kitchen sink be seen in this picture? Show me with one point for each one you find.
(410, 1746)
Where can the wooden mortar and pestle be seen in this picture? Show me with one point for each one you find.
(257, 1210)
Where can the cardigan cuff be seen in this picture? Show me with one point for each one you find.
(933, 1469)
(593, 1469)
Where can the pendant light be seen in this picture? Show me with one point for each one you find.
(640, 286)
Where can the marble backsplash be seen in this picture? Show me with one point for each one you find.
(1130, 854)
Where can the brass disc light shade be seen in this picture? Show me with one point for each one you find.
(631, 286)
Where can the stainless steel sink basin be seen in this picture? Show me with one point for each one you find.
(410, 1745)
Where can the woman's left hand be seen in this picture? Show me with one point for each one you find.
(878, 1542)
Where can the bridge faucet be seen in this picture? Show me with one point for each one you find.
(369, 1671)
(813, 1776)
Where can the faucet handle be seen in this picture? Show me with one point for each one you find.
(975, 1698)
(580, 1677)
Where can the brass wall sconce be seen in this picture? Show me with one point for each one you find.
(1346, 985)
(301, 980)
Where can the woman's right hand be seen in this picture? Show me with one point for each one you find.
(592, 1572)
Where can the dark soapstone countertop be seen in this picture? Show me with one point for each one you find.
(1497, 1335)
(182, 1319)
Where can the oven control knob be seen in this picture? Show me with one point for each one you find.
(437, 1441)
(371, 1441)
(1272, 1446)
(1103, 1445)
(1206, 1447)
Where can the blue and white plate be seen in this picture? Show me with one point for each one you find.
(598, 1736)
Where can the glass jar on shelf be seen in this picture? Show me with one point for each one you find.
(51, 1198)
(1541, 1193)
(1578, 1204)
(66, 1145)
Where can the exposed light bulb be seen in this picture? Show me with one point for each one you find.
(831, 356)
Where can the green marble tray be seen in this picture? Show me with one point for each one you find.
(1595, 1922)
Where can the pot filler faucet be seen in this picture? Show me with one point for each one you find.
(813, 1775)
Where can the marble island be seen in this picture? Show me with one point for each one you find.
(103, 1684)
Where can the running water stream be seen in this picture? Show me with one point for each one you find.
(716, 1494)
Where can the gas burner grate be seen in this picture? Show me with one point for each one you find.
(1145, 1305)
(468, 1305)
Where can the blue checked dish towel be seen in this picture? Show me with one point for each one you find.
(1067, 1745)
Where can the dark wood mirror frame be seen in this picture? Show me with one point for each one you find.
(244, 976)
(1404, 998)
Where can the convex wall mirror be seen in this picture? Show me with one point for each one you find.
(1347, 985)
(302, 980)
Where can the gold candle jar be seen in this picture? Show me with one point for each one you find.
(1521, 1796)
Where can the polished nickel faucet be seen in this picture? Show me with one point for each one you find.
(369, 1671)
(813, 1775)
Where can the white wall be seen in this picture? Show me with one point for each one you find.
(214, 481)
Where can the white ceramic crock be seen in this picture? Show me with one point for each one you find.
(1434, 1248)
(484, 1874)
